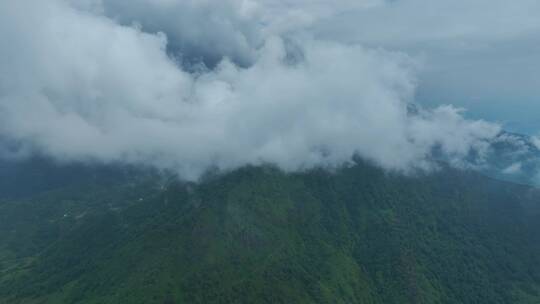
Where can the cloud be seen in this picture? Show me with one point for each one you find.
(474, 23)
(478, 54)
(80, 83)
(207, 31)
(536, 141)
(513, 169)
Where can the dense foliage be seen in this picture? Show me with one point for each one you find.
(258, 235)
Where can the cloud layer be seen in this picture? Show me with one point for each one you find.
(479, 54)
(106, 81)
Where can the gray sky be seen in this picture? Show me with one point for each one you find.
(483, 55)
(192, 84)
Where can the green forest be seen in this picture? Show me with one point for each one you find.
(356, 234)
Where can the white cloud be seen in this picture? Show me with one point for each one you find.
(78, 85)
(513, 169)
(209, 30)
(536, 141)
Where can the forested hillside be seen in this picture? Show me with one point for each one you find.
(258, 235)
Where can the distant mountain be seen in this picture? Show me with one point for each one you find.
(514, 157)
(258, 235)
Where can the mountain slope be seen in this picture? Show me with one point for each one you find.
(257, 235)
(514, 158)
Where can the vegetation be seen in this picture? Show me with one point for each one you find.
(258, 235)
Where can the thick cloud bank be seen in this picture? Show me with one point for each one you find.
(99, 81)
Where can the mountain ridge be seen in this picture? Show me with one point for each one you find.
(259, 235)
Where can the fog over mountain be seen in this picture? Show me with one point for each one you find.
(191, 85)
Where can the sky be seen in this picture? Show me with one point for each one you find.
(189, 85)
(482, 55)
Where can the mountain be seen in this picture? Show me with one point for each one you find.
(29, 177)
(514, 157)
(259, 235)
